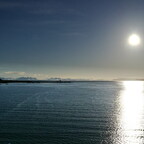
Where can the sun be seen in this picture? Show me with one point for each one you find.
(134, 40)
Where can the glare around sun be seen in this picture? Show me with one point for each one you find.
(134, 40)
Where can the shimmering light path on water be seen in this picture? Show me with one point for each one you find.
(74, 113)
(132, 112)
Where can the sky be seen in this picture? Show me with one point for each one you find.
(79, 39)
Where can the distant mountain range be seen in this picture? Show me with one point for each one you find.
(49, 79)
(26, 78)
(63, 79)
(20, 78)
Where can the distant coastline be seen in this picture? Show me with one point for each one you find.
(3, 81)
(33, 81)
(49, 81)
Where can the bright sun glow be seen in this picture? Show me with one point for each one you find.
(134, 40)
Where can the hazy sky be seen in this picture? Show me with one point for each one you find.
(71, 38)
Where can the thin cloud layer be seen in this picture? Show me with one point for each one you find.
(15, 73)
(24, 74)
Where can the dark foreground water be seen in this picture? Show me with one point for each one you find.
(72, 113)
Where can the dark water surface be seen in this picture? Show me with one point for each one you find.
(72, 113)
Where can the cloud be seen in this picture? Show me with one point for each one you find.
(45, 22)
(30, 6)
(15, 73)
(46, 10)
(39, 76)
(42, 11)
(24, 74)
(40, 8)
(74, 34)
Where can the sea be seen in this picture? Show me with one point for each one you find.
(110, 112)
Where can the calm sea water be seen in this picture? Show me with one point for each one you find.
(72, 113)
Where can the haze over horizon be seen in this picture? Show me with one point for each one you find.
(77, 39)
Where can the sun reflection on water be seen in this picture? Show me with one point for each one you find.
(132, 112)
